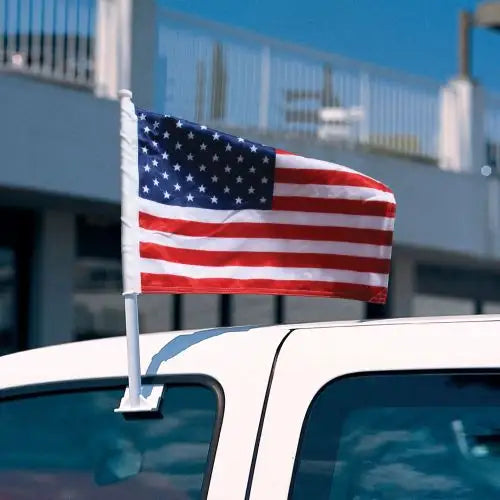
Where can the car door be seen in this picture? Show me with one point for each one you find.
(383, 412)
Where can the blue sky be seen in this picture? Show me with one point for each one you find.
(416, 36)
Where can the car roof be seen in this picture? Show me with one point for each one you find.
(211, 351)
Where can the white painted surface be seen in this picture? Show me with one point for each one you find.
(312, 357)
(106, 48)
(461, 132)
(240, 361)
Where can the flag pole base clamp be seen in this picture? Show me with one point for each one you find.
(150, 403)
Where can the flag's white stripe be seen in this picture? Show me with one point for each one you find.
(265, 245)
(292, 161)
(266, 216)
(273, 273)
(335, 192)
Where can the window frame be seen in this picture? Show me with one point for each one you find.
(113, 383)
(375, 373)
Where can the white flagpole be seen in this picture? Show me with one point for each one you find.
(132, 401)
(133, 350)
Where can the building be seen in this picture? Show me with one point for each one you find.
(61, 66)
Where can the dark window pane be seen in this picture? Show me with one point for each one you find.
(8, 309)
(397, 437)
(73, 445)
(98, 301)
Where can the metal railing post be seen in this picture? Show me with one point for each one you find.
(265, 84)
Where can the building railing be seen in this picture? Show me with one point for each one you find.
(229, 77)
(53, 39)
(86, 43)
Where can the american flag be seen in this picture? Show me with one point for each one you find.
(216, 213)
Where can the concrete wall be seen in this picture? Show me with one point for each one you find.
(58, 140)
(66, 142)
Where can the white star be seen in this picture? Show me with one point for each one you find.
(251, 190)
(165, 175)
(213, 199)
(265, 160)
(227, 169)
(240, 139)
(239, 179)
(177, 167)
(178, 145)
(240, 159)
(216, 136)
(155, 144)
(203, 146)
(145, 189)
(156, 125)
(190, 197)
(177, 187)
(203, 127)
(238, 200)
(156, 182)
(264, 180)
(142, 116)
(228, 147)
(190, 156)
(178, 124)
(201, 189)
(166, 194)
(155, 163)
(190, 135)
(215, 157)
(146, 129)
(145, 150)
(214, 178)
(226, 189)
(164, 156)
(253, 149)
(263, 200)
(189, 178)
(202, 168)
(166, 116)
(166, 135)
(147, 168)
(252, 169)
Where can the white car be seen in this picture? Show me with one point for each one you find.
(398, 409)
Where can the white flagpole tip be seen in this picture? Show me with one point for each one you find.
(122, 93)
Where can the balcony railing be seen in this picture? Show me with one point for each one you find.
(53, 39)
(228, 77)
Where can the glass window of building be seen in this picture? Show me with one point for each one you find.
(98, 302)
(16, 265)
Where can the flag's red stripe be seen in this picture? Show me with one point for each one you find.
(283, 152)
(334, 206)
(263, 259)
(326, 177)
(167, 283)
(264, 230)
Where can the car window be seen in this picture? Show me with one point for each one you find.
(72, 445)
(407, 436)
